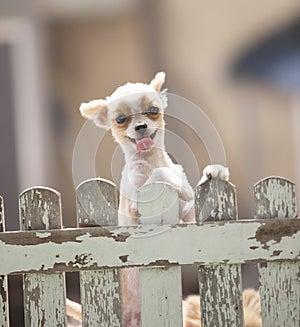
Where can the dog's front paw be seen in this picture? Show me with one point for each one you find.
(215, 171)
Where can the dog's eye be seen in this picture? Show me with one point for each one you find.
(121, 119)
(153, 110)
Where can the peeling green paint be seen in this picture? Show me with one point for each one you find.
(233, 241)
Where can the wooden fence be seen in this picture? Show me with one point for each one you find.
(218, 244)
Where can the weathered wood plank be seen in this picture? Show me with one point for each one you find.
(97, 202)
(161, 293)
(43, 301)
(221, 295)
(74, 249)
(215, 200)
(280, 293)
(219, 286)
(275, 198)
(157, 204)
(101, 298)
(44, 295)
(161, 297)
(279, 281)
(4, 316)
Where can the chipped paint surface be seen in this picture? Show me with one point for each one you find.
(44, 294)
(40, 208)
(42, 235)
(221, 295)
(101, 298)
(215, 200)
(275, 198)
(280, 293)
(96, 203)
(44, 301)
(234, 242)
(220, 248)
(3, 302)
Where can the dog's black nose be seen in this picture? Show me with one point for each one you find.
(141, 128)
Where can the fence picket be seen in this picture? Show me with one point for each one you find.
(221, 295)
(100, 290)
(279, 281)
(161, 293)
(219, 285)
(4, 317)
(97, 203)
(280, 293)
(275, 198)
(215, 200)
(44, 294)
(161, 296)
(157, 204)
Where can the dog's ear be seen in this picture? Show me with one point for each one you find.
(158, 81)
(97, 111)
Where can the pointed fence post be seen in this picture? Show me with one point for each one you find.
(161, 293)
(97, 203)
(279, 281)
(215, 200)
(219, 285)
(4, 316)
(44, 294)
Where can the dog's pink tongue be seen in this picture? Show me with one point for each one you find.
(144, 144)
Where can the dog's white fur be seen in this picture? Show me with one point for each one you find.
(147, 166)
(143, 167)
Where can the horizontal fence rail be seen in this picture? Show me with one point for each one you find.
(116, 247)
(218, 243)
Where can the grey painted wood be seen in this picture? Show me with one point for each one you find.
(4, 316)
(221, 295)
(97, 203)
(161, 293)
(280, 293)
(114, 247)
(215, 200)
(275, 198)
(161, 297)
(40, 208)
(219, 286)
(279, 281)
(101, 298)
(44, 294)
(44, 299)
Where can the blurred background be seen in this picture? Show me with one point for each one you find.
(238, 61)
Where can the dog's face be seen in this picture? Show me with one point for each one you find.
(134, 113)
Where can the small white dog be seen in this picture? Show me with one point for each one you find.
(135, 115)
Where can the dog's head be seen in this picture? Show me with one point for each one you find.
(134, 113)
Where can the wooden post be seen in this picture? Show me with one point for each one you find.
(279, 281)
(44, 294)
(215, 200)
(161, 293)
(219, 285)
(4, 316)
(275, 197)
(97, 204)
